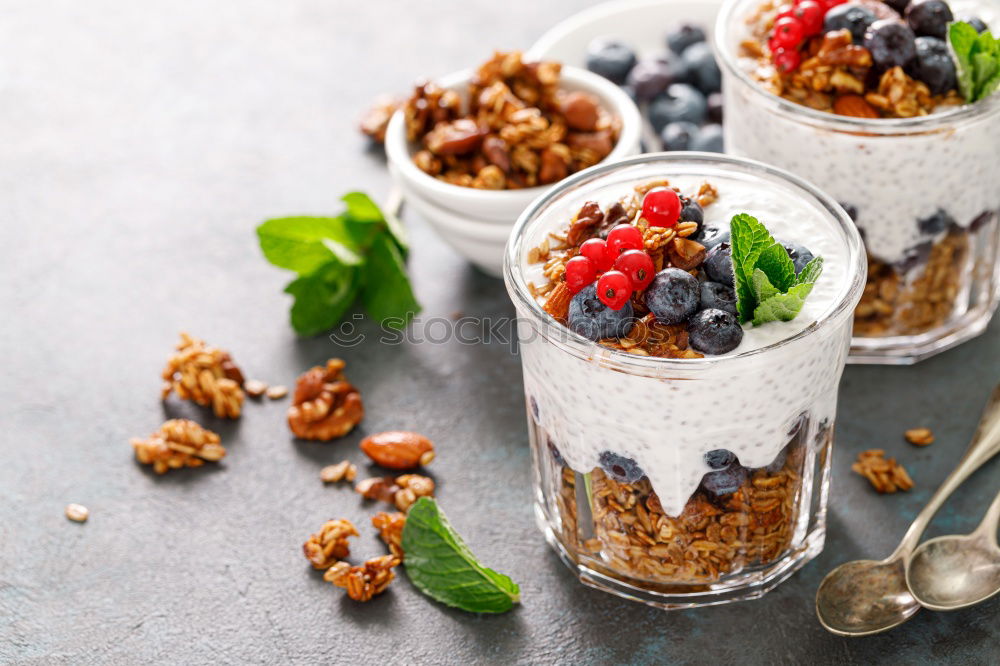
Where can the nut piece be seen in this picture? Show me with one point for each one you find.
(254, 388)
(78, 513)
(329, 544)
(685, 253)
(411, 487)
(325, 404)
(455, 138)
(376, 119)
(365, 581)
(854, 106)
(390, 530)
(886, 476)
(919, 436)
(178, 443)
(205, 375)
(342, 471)
(581, 111)
(382, 488)
(398, 449)
(277, 392)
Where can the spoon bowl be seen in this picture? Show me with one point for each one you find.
(952, 572)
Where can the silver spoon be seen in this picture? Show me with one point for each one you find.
(866, 596)
(955, 571)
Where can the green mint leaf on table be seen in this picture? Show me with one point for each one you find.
(782, 307)
(360, 253)
(749, 239)
(977, 59)
(439, 563)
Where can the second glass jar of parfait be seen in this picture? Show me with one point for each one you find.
(688, 480)
(923, 191)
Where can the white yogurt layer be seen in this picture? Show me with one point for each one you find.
(666, 419)
(892, 181)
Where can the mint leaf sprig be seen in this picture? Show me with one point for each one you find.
(767, 288)
(441, 566)
(977, 60)
(359, 254)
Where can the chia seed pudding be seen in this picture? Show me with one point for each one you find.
(887, 133)
(670, 467)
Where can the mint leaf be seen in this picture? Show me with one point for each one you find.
(810, 272)
(977, 59)
(782, 307)
(962, 38)
(361, 208)
(441, 566)
(387, 294)
(749, 239)
(297, 243)
(777, 266)
(762, 287)
(322, 298)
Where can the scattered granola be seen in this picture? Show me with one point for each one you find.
(398, 449)
(390, 530)
(254, 387)
(885, 475)
(79, 513)
(364, 581)
(402, 491)
(178, 443)
(919, 436)
(324, 548)
(205, 375)
(342, 471)
(325, 405)
(277, 392)
(519, 130)
(376, 119)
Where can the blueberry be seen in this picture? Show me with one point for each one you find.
(703, 69)
(891, 43)
(677, 136)
(556, 455)
(718, 296)
(715, 107)
(719, 263)
(610, 58)
(684, 36)
(673, 296)
(725, 481)
(712, 236)
(680, 102)
(976, 22)
(594, 320)
(620, 468)
(799, 254)
(708, 140)
(715, 331)
(651, 76)
(899, 6)
(934, 65)
(855, 18)
(691, 211)
(936, 223)
(929, 17)
(720, 458)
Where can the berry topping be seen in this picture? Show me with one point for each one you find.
(899, 6)
(810, 13)
(787, 60)
(651, 76)
(702, 68)
(891, 43)
(720, 458)
(638, 266)
(556, 455)
(715, 107)
(620, 468)
(596, 250)
(799, 255)
(934, 65)
(976, 22)
(661, 207)
(684, 36)
(854, 18)
(691, 211)
(623, 237)
(725, 480)
(715, 331)
(580, 271)
(929, 17)
(614, 288)
(673, 296)
(936, 223)
(680, 102)
(610, 58)
(712, 236)
(708, 139)
(594, 320)
(788, 32)
(719, 263)
(677, 136)
(717, 296)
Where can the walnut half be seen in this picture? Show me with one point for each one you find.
(325, 405)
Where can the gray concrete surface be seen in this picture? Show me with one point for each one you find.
(140, 143)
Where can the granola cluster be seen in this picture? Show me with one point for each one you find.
(885, 475)
(178, 443)
(402, 491)
(518, 129)
(329, 544)
(325, 405)
(205, 375)
(363, 581)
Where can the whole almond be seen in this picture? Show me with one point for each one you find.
(581, 111)
(398, 449)
(854, 106)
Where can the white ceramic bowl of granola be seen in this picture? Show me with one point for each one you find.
(503, 207)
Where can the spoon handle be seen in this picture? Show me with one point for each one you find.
(985, 444)
(991, 521)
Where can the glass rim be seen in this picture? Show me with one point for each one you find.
(584, 348)
(935, 122)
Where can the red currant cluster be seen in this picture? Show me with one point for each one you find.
(619, 264)
(794, 24)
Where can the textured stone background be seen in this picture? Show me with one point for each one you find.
(139, 145)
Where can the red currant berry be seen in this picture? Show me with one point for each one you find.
(638, 266)
(614, 289)
(789, 32)
(661, 207)
(785, 11)
(810, 13)
(623, 237)
(597, 251)
(787, 60)
(580, 272)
